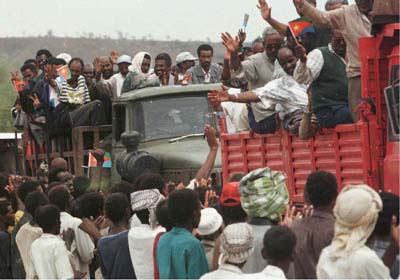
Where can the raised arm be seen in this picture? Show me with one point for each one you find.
(205, 169)
(265, 11)
(218, 96)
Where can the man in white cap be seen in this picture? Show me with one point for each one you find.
(210, 227)
(236, 246)
(113, 85)
(356, 212)
(184, 61)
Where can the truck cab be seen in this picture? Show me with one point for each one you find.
(169, 122)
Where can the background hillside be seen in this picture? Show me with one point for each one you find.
(14, 51)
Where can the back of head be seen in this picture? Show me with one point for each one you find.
(279, 243)
(27, 187)
(81, 184)
(58, 162)
(47, 217)
(124, 187)
(390, 208)
(321, 189)
(60, 196)
(116, 207)
(162, 215)
(236, 243)
(33, 200)
(182, 204)
(210, 222)
(53, 174)
(27, 66)
(356, 212)
(152, 181)
(204, 47)
(91, 204)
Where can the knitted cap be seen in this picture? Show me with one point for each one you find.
(236, 243)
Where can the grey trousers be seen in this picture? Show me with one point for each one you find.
(354, 96)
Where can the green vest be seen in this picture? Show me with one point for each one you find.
(330, 88)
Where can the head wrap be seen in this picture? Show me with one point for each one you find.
(236, 243)
(147, 199)
(137, 64)
(264, 193)
(356, 213)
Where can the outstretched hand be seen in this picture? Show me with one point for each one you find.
(15, 76)
(218, 96)
(265, 10)
(230, 43)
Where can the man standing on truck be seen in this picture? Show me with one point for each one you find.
(206, 72)
(325, 69)
(354, 23)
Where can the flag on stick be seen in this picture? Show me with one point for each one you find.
(245, 20)
(19, 85)
(92, 160)
(107, 160)
(301, 26)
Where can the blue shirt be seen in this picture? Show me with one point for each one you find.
(180, 255)
(115, 259)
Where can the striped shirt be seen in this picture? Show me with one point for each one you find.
(68, 94)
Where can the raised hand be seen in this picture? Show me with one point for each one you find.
(209, 133)
(242, 36)
(265, 10)
(298, 3)
(35, 100)
(210, 198)
(290, 216)
(15, 76)
(97, 65)
(301, 53)
(114, 56)
(230, 43)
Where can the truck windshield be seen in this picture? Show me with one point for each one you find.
(161, 118)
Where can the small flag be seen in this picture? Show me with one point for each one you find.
(19, 85)
(245, 20)
(107, 163)
(301, 26)
(186, 79)
(92, 160)
(64, 73)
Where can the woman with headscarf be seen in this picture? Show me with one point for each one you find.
(356, 212)
(140, 70)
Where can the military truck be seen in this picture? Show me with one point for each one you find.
(158, 129)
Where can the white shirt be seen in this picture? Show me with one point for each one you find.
(49, 259)
(24, 239)
(306, 73)
(82, 247)
(113, 85)
(285, 93)
(207, 76)
(141, 242)
(233, 116)
(270, 272)
(363, 263)
(224, 271)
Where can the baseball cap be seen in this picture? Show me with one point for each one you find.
(124, 59)
(210, 221)
(230, 195)
(184, 56)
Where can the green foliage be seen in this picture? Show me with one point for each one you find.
(7, 97)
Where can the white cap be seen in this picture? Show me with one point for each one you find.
(184, 56)
(236, 243)
(210, 221)
(64, 56)
(124, 59)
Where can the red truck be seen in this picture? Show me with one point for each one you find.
(363, 152)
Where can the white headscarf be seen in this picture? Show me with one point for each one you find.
(356, 213)
(137, 64)
(147, 199)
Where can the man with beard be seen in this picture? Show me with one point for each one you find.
(325, 69)
(206, 72)
(104, 70)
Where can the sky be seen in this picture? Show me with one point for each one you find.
(155, 19)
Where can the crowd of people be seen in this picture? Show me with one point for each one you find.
(59, 226)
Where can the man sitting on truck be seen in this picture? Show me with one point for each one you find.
(325, 70)
(284, 94)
